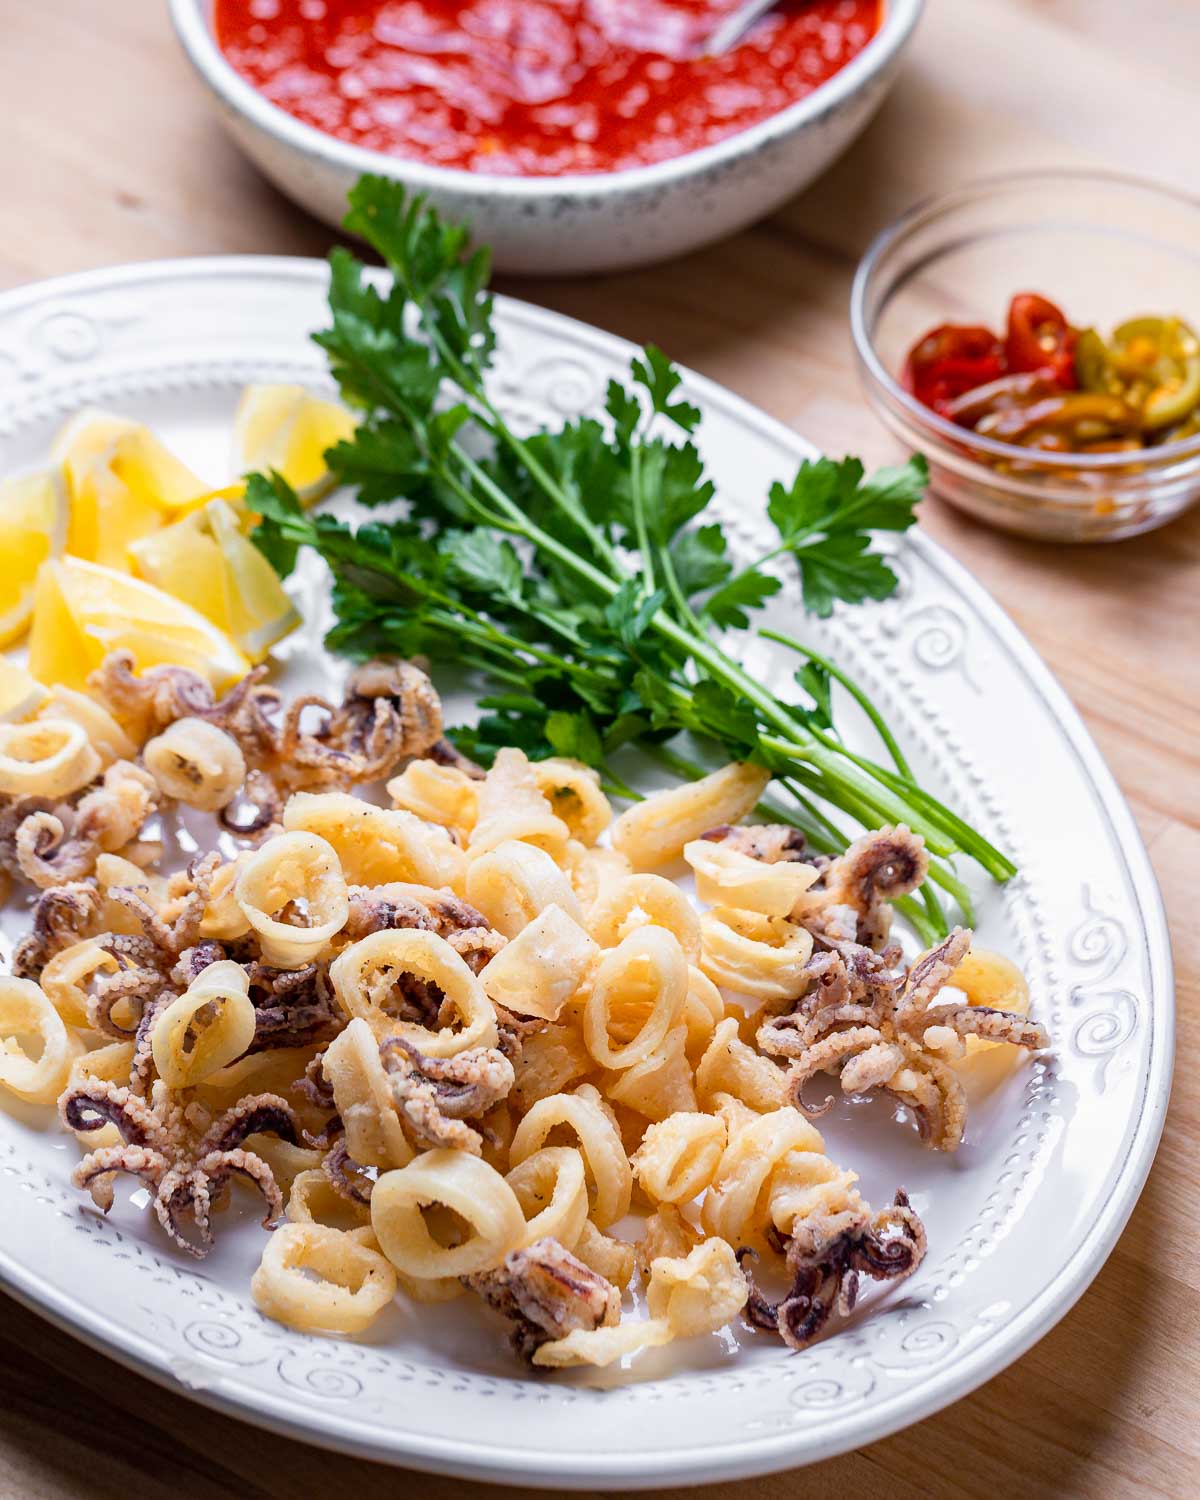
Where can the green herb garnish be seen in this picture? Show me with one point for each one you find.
(574, 567)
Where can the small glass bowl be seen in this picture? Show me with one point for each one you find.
(1105, 248)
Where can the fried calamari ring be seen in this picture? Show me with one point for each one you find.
(25, 1012)
(315, 1277)
(362, 1095)
(438, 794)
(196, 763)
(551, 1187)
(67, 975)
(761, 957)
(727, 877)
(542, 967)
(573, 791)
(209, 1026)
(737, 1204)
(293, 872)
(105, 735)
(584, 1116)
(732, 1068)
(637, 995)
(661, 1083)
(679, 1156)
(643, 901)
(313, 1199)
(365, 975)
(593, 872)
(480, 1216)
(514, 882)
(654, 832)
(511, 806)
(46, 758)
(375, 845)
(223, 917)
(699, 1293)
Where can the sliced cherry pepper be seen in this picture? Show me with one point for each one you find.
(951, 360)
(1040, 338)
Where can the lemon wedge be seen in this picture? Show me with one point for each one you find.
(286, 428)
(204, 560)
(20, 694)
(83, 610)
(122, 483)
(33, 527)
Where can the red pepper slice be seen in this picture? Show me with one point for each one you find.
(1040, 338)
(951, 360)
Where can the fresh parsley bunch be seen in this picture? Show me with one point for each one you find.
(573, 567)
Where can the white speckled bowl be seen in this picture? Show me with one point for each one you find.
(582, 223)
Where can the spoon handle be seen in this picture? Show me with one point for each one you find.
(731, 30)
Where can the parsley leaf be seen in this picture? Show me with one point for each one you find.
(657, 375)
(749, 590)
(825, 519)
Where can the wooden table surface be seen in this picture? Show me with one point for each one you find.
(109, 153)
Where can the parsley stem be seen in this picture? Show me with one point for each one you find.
(881, 799)
(872, 713)
(927, 928)
(639, 518)
(671, 579)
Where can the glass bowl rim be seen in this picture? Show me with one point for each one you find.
(1162, 457)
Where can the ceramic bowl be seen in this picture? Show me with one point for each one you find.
(584, 222)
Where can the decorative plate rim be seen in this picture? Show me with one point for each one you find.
(744, 1456)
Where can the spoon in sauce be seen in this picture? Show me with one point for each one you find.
(735, 26)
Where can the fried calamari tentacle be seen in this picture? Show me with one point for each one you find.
(880, 1030)
(62, 916)
(177, 928)
(348, 1178)
(547, 1293)
(248, 713)
(930, 972)
(136, 986)
(154, 699)
(256, 1114)
(293, 1007)
(141, 1067)
(193, 1190)
(443, 753)
(257, 809)
(477, 946)
(825, 1056)
(826, 1269)
(88, 1106)
(436, 1095)
(874, 871)
(193, 961)
(46, 856)
(846, 987)
(382, 908)
(187, 1176)
(96, 1173)
(314, 1085)
(414, 721)
(13, 812)
(989, 1025)
(769, 842)
(385, 908)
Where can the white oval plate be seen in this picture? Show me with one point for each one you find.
(1019, 1220)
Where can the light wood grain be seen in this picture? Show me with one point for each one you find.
(109, 153)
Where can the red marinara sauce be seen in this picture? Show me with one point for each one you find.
(534, 87)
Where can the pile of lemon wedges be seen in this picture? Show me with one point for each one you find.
(118, 545)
